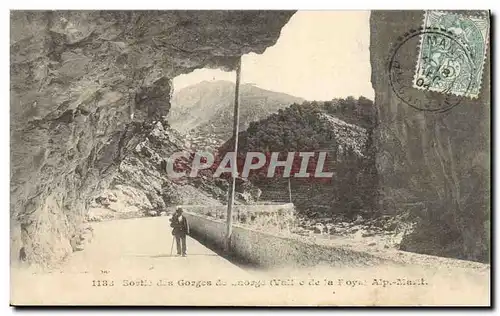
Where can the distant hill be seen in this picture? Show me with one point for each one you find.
(206, 109)
(343, 129)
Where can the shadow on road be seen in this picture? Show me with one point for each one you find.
(173, 255)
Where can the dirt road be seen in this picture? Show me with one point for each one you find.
(129, 262)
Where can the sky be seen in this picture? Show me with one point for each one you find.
(320, 55)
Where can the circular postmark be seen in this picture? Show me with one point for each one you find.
(431, 69)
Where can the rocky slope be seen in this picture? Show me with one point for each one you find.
(142, 187)
(204, 111)
(85, 87)
(316, 127)
(436, 164)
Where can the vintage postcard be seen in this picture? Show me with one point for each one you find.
(250, 158)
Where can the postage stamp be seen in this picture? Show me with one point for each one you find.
(451, 61)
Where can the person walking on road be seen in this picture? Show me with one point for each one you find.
(180, 229)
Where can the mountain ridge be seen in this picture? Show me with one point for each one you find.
(207, 107)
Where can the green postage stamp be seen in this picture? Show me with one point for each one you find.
(452, 52)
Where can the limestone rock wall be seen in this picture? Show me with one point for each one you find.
(435, 165)
(85, 86)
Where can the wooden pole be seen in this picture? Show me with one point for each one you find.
(236, 123)
(289, 190)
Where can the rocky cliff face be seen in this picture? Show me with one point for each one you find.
(436, 164)
(85, 86)
(142, 186)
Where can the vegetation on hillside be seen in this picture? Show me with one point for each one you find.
(342, 129)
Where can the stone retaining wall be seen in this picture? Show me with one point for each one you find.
(270, 250)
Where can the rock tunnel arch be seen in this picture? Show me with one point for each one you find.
(84, 86)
